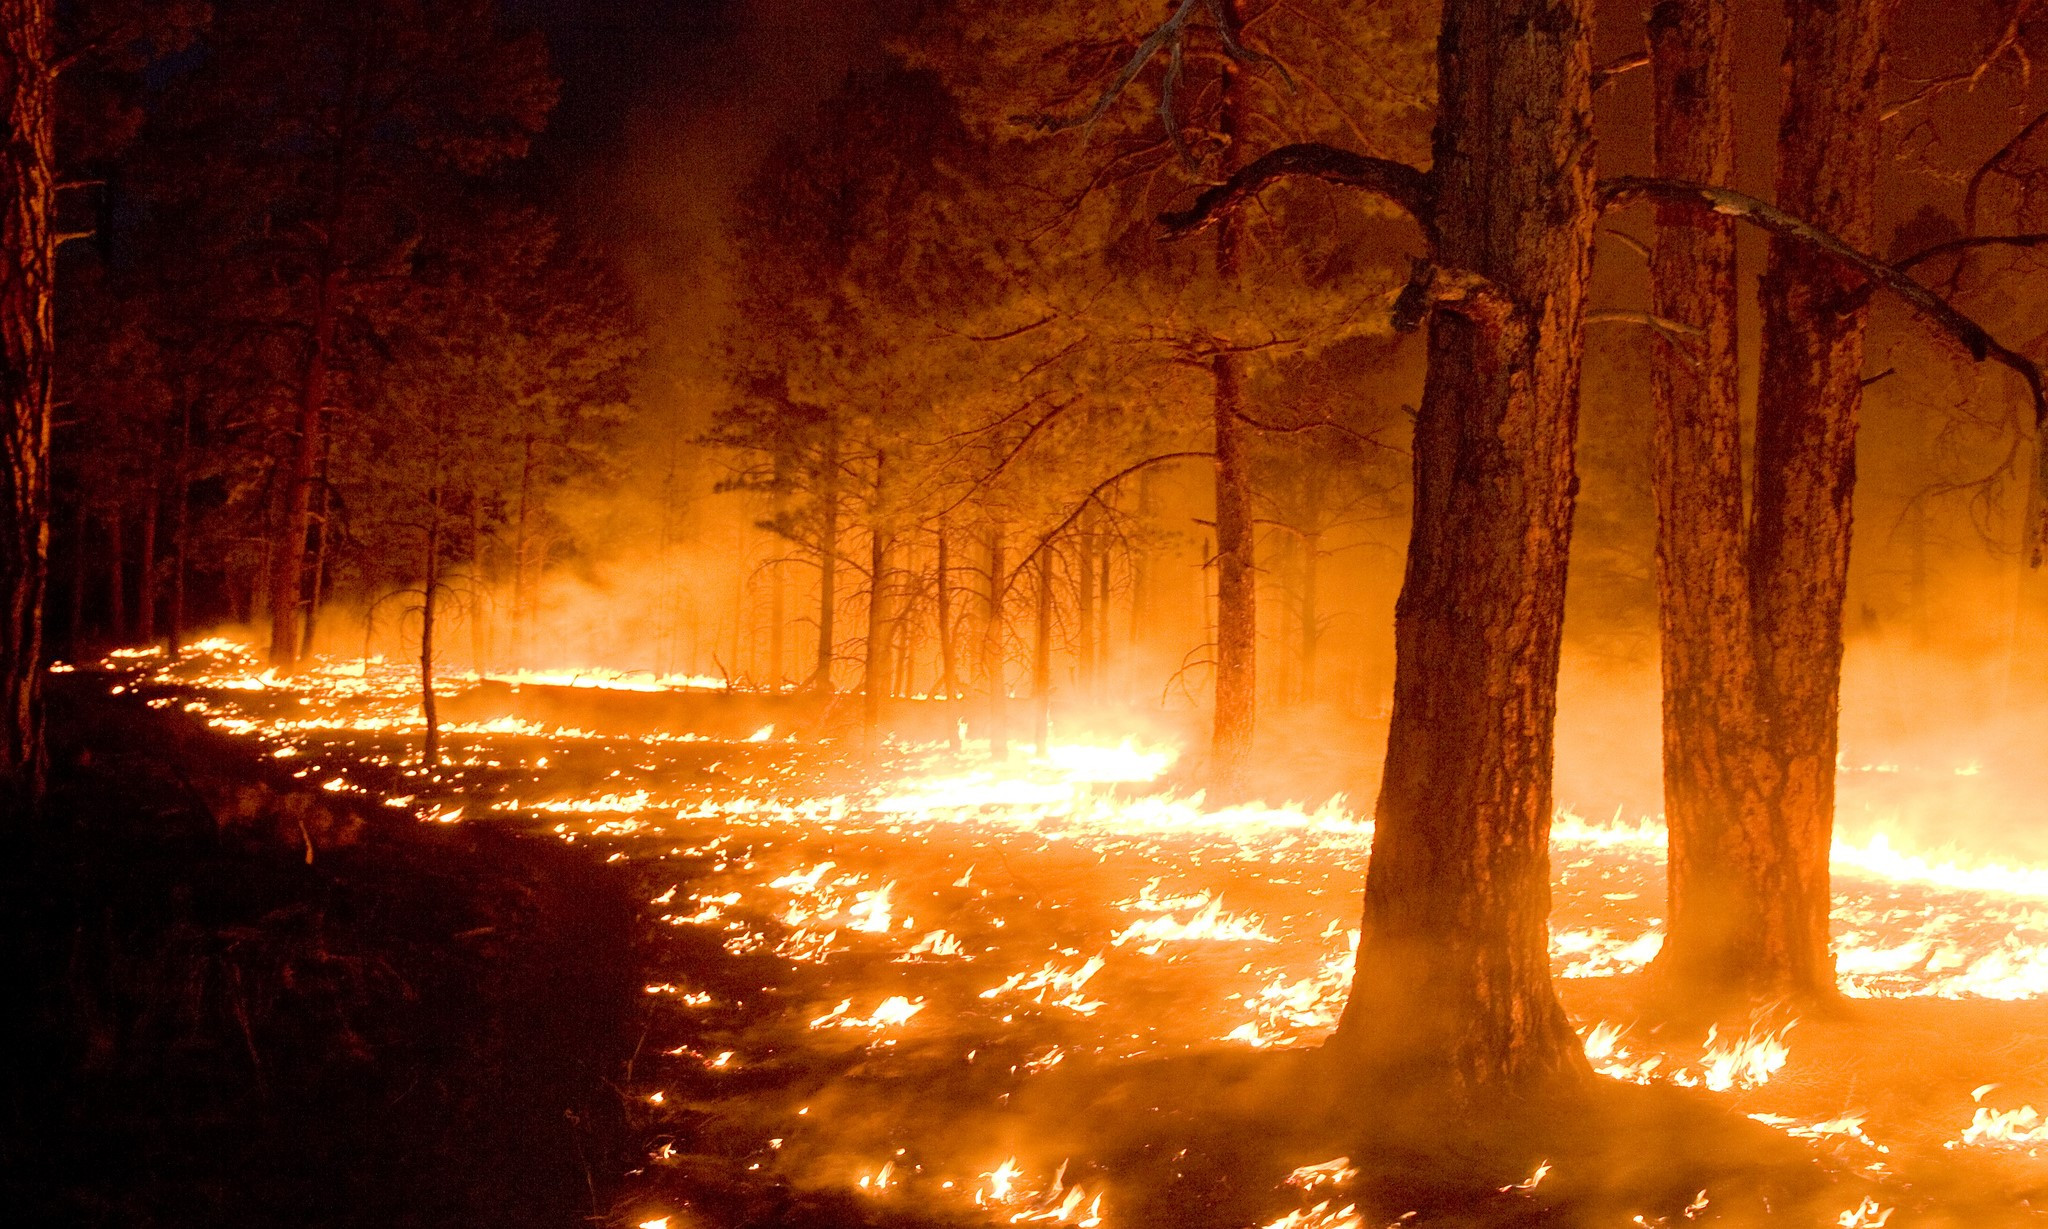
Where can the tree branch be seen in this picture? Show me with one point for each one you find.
(1017, 568)
(1969, 243)
(1398, 182)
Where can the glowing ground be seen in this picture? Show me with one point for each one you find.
(904, 984)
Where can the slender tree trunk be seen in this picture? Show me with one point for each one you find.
(1452, 990)
(992, 652)
(828, 560)
(1084, 610)
(28, 252)
(1237, 624)
(1103, 662)
(949, 667)
(81, 530)
(145, 567)
(1715, 786)
(1811, 394)
(479, 627)
(522, 547)
(1041, 655)
(874, 682)
(288, 549)
(778, 615)
(181, 516)
(430, 748)
(117, 577)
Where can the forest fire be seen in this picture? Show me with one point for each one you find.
(1023, 917)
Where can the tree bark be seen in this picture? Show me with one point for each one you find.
(1041, 655)
(28, 251)
(1809, 400)
(874, 681)
(1236, 694)
(828, 560)
(145, 567)
(992, 652)
(1452, 989)
(1716, 787)
(288, 551)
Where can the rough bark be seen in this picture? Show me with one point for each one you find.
(828, 561)
(1716, 786)
(27, 337)
(288, 550)
(1452, 988)
(992, 651)
(1810, 397)
(1236, 691)
(1041, 656)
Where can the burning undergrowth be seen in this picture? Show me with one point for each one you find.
(1050, 991)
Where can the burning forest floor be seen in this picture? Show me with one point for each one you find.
(1054, 990)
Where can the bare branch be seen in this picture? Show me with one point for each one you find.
(1398, 182)
(1604, 75)
(1685, 337)
(1066, 522)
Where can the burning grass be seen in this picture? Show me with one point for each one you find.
(965, 989)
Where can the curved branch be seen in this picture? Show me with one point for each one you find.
(1628, 189)
(1398, 182)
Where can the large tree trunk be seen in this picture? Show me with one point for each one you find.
(28, 252)
(288, 550)
(1452, 989)
(1810, 396)
(1237, 626)
(1715, 786)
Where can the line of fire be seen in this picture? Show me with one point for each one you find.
(923, 614)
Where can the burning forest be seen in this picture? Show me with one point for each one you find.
(1241, 614)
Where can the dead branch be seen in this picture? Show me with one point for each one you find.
(1398, 182)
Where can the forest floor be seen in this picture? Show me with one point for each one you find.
(683, 982)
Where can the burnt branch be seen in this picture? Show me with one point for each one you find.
(1398, 182)
(1046, 539)
(1433, 288)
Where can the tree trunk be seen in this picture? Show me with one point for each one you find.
(522, 546)
(874, 681)
(1715, 786)
(81, 528)
(28, 252)
(828, 560)
(117, 577)
(1237, 626)
(949, 665)
(288, 550)
(430, 747)
(778, 614)
(992, 652)
(145, 568)
(1809, 399)
(181, 517)
(1041, 655)
(1452, 990)
(1084, 609)
(1103, 661)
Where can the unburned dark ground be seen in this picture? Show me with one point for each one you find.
(240, 1001)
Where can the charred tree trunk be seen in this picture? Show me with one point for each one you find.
(1041, 655)
(145, 568)
(992, 652)
(1084, 609)
(288, 549)
(117, 577)
(1810, 397)
(949, 665)
(28, 251)
(430, 747)
(1103, 661)
(874, 683)
(828, 560)
(1715, 786)
(181, 518)
(1237, 625)
(1452, 991)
